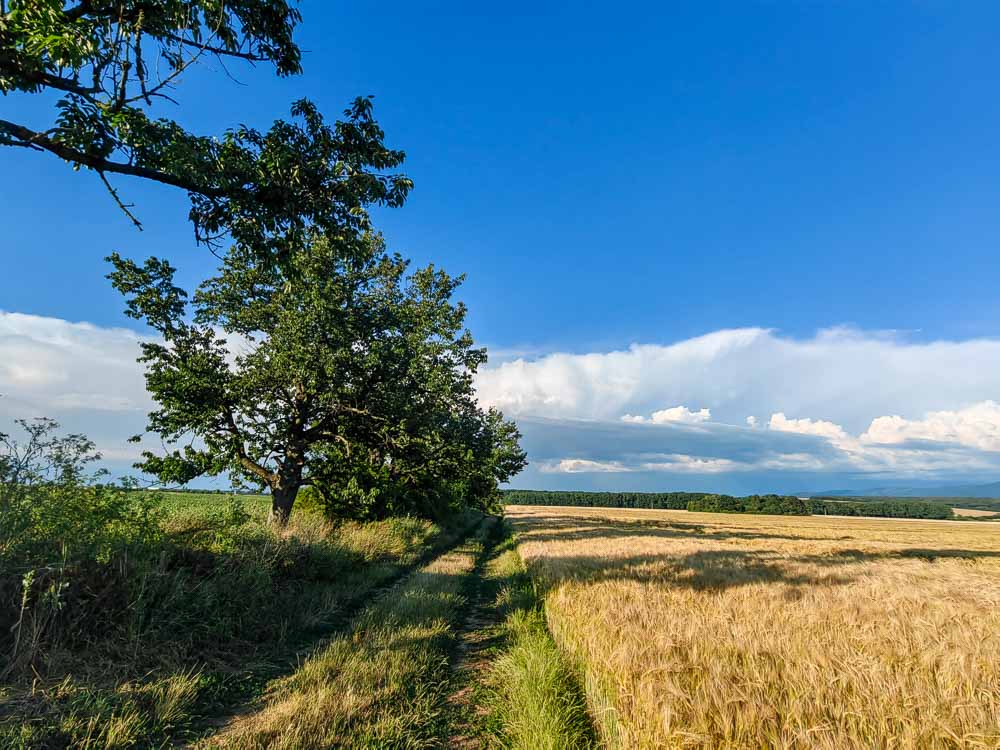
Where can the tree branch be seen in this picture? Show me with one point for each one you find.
(78, 11)
(219, 51)
(33, 139)
(269, 477)
(60, 83)
(124, 207)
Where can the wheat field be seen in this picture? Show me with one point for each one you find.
(722, 631)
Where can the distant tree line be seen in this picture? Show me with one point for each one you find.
(649, 500)
(769, 505)
(976, 503)
(694, 501)
(777, 505)
(879, 508)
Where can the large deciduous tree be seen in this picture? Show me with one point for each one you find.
(339, 369)
(108, 62)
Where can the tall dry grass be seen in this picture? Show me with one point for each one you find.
(713, 631)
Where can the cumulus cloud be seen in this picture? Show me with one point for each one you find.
(43, 360)
(844, 405)
(806, 426)
(839, 375)
(828, 397)
(580, 466)
(673, 414)
(83, 375)
(977, 425)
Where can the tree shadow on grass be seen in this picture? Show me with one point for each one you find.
(550, 528)
(705, 570)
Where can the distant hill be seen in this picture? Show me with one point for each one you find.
(989, 490)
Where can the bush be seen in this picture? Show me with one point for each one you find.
(53, 512)
(84, 563)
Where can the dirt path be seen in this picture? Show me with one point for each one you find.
(475, 640)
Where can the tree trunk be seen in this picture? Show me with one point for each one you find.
(281, 504)
(380, 510)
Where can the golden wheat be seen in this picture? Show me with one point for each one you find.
(716, 631)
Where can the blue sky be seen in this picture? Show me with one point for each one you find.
(632, 174)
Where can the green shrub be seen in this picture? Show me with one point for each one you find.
(54, 512)
(778, 505)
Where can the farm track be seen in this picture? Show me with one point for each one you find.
(475, 638)
(286, 662)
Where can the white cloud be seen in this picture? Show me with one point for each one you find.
(673, 414)
(47, 362)
(580, 466)
(977, 425)
(673, 463)
(680, 414)
(604, 385)
(806, 426)
(837, 386)
(840, 375)
(82, 375)
(683, 464)
(842, 403)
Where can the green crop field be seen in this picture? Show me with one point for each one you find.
(179, 503)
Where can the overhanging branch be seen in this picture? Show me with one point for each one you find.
(34, 139)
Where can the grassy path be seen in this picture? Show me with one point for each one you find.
(456, 655)
(383, 684)
(511, 687)
(201, 622)
(382, 580)
(476, 642)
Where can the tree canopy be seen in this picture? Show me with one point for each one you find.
(313, 358)
(108, 62)
(340, 370)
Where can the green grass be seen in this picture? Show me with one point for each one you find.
(221, 610)
(533, 696)
(138, 648)
(383, 684)
(180, 504)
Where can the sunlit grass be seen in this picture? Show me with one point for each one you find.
(232, 604)
(532, 693)
(700, 630)
(382, 684)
